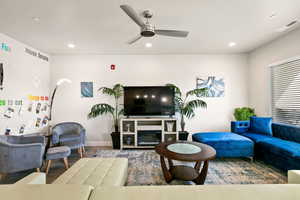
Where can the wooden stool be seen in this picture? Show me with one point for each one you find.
(53, 153)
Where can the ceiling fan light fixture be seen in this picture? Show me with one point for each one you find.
(148, 29)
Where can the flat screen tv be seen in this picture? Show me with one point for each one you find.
(142, 101)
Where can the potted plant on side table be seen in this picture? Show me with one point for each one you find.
(244, 113)
(186, 104)
(116, 110)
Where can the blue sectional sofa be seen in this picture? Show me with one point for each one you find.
(278, 145)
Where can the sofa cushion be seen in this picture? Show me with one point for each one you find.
(58, 152)
(96, 172)
(209, 192)
(262, 125)
(256, 137)
(45, 192)
(71, 144)
(69, 137)
(281, 147)
(33, 178)
(227, 144)
(221, 140)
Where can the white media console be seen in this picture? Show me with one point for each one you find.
(147, 132)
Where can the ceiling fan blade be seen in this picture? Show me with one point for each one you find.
(133, 15)
(135, 39)
(172, 33)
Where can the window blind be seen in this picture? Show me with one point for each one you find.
(285, 83)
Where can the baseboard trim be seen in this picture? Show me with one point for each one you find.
(98, 143)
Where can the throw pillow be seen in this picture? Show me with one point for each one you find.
(262, 125)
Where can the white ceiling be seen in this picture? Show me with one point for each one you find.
(100, 26)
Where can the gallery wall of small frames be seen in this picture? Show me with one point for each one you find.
(36, 106)
(21, 113)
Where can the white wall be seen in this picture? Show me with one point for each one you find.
(283, 48)
(147, 70)
(23, 75)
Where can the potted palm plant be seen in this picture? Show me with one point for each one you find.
(116, 110)
(186, 104)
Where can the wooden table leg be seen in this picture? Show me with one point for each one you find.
(202, 176)
(198, 165)
(166, 172)
(170, 163)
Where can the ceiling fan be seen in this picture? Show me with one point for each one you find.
(148, 29)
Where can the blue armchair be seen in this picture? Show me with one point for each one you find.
(69, 134)
(19, 153)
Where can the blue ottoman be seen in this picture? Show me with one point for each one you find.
(227, 144)
(60, 152)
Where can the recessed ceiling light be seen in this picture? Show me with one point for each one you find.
(148, 45)
(273, 15)
(72, 46)
(232, 44)
(36, 19)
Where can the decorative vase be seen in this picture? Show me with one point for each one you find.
(128, 127)
(128, 140)
(170, 126)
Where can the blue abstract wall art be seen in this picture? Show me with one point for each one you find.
(215, 86)
(87, 89)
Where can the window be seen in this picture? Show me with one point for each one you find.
(286, 92)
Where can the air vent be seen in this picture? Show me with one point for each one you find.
(291, 23)
(288, 26)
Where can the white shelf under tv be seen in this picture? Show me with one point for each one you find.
(138, 128)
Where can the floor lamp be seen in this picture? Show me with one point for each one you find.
(59, 82)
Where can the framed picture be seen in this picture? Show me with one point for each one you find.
(86, 89)
(215, 86)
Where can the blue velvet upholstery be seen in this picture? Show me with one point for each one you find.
(226, 144)
(256, 137)
(261, 125)
(69, 134)
(58, 152)
(240, 126)
(18, 153)
(282, 149)
(286, 132)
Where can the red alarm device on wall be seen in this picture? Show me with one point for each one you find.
(112, 67)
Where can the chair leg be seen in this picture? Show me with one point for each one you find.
(48, 166)
(38, 170)
(2, 176)
(66, 163)
(80, 152)
(83, 149)
(251, 159)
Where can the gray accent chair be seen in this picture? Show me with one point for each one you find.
(71, 134)
(19, 153)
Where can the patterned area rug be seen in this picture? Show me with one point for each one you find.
(144, 169)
